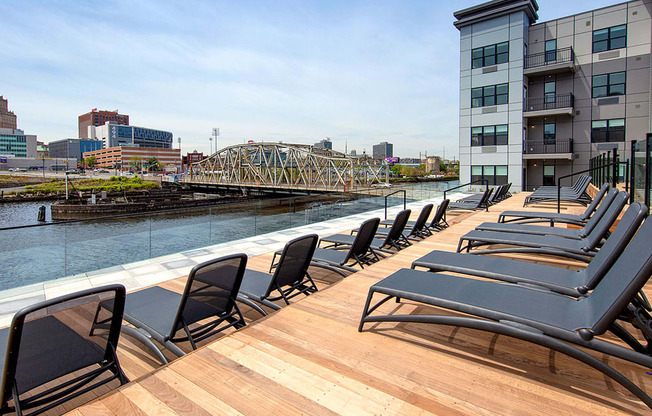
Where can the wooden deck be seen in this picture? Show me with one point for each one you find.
(309, 358)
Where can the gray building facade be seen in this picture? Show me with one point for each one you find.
(383, 150)
(538, 100)
(73, 148)
(113, 135)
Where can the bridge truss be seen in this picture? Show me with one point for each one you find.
(285, 166)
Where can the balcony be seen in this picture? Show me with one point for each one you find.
(550, 105)
(548, 149)
(550, 62)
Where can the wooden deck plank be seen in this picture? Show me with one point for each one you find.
(309, 358)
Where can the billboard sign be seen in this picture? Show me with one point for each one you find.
(391, 160)
(3, 160)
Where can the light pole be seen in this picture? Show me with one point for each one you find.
(180, 155)
(216, 133)
(210, 145)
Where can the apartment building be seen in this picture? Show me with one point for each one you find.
(538, 100)
(122, 157)
(113, 134)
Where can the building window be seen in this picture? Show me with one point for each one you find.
(490, 55)
(608, 130)
(489, 135)
(549, 175)
(551, 50)
(608, 84)
(549, 133)
(610, 38)
(489, 95)
(549, 90)
(495, 175)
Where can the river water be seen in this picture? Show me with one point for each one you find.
(43, 252)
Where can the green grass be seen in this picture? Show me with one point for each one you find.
(114, 184)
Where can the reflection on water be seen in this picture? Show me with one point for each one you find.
(36, 254)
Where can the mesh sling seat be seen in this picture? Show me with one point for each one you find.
(556, 279)
(359, 252)
(550, 244)
(553, 217)
(498, 195)
(290, 277)
(544, 318)
(393, 239)
(206, 307)
(576, 193)
(483, 203)
(49, 341)
(545, 230)
(419, 230)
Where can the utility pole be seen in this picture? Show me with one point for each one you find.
(180, 155)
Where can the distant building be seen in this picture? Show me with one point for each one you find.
(99, 118)
(74, 147)
(16, 143)
(324, 144)
(120, 157)
(36, 163)
(383, 150)
(113, 134)
(193, 157)
(42, 150)
(433, 164)
(7, 118)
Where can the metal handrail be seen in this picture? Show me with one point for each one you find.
(483, 181)
(549, 57)
(396, 192)
(545, 103)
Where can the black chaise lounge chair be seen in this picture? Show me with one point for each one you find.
(206, 307)
(556, 279)
(500, 194)
(576, 193)
(360, 252)
(483, 203)
(544, 318)
(290, 277)
(393, 239)
(560, 231)
(54, 342)
(550, 244)
(419, 230)
(524, 217)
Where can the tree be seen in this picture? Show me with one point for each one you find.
(135, 162)
(153, 164)
(91, 161)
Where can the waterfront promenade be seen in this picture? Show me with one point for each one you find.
(309, 358)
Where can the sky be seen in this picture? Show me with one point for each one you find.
(358, 72)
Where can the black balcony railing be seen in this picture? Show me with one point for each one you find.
(548, 146)
(550, 102)
(549, 58)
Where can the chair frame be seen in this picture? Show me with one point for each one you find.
(70, 389)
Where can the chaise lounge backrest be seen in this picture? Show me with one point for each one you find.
(420, 223)
(363, 239)
(599, 213)
(294, 262)
(396, 231)
(602, 228)
(615, 244)
(211, 290)
(612, 295)
(439, 214)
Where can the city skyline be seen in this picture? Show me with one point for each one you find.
(357, 72)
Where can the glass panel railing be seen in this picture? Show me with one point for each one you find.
(639, 171)
(34, 254)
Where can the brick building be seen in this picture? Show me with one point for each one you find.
(121, 157)
(7, 118)
(99, 118)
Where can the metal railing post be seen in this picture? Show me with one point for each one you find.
(632, 160)
(615, 168)
(559, 195)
